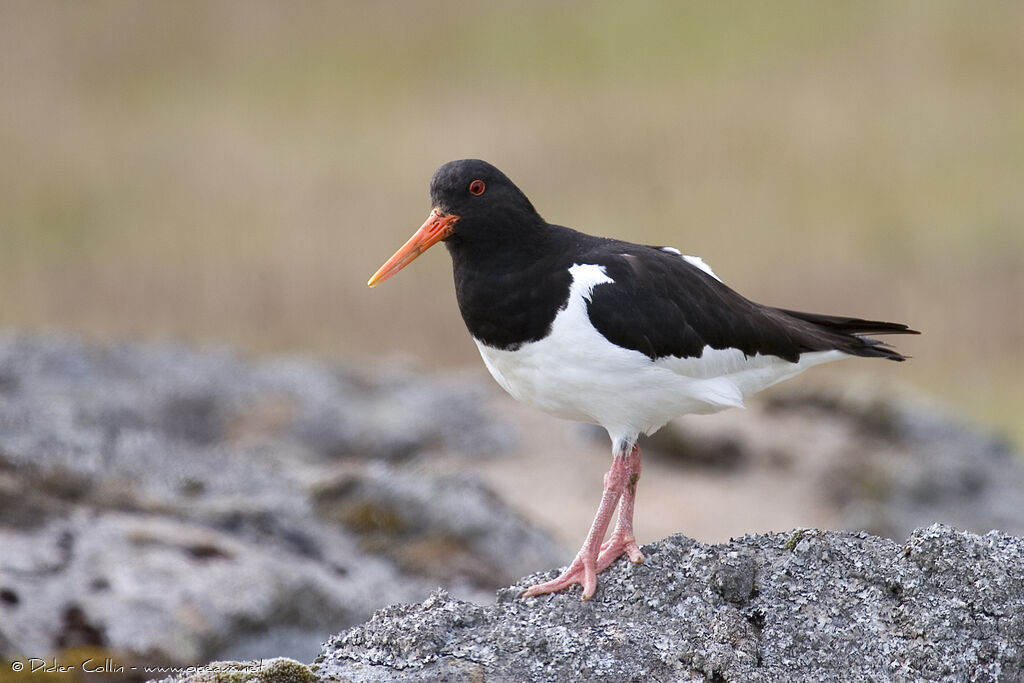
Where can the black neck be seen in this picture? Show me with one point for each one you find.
(510, 285)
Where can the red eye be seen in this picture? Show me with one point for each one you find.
(477, 187)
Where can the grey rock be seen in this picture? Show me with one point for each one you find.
(191, 505)
(444, 527)
(804, 606)
(149, 584)
(175, 502)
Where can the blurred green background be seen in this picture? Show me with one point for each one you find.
(232, 172)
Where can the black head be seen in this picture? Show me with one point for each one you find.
(473, 190)
(473, 202)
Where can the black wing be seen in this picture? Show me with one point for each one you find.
(662, 305)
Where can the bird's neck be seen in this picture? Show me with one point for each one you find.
(509, 290)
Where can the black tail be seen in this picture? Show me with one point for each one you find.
(851, 330)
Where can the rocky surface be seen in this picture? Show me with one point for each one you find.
(807, 606)
(180, 505)
(190, 505)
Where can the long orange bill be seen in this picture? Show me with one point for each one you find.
(434, 229)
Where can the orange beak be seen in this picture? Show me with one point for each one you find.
(434, 229)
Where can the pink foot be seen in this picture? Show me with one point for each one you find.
(581, 571)
(594, 557)
(584, 570)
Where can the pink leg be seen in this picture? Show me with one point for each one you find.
(594, 557)
(622, 539)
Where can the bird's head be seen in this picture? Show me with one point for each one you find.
(472, 200)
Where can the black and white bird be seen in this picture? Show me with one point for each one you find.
(599, 330)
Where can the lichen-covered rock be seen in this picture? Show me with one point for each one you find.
(185, 504)
(804, 606)
(277, 670)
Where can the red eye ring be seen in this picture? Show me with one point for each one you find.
(477, 187)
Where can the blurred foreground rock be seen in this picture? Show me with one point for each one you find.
(805, 606)
(900, 465)
(186, 505)
(865, 459)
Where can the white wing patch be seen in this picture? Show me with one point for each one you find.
(695, 261)
(585, 277)
(698, 262)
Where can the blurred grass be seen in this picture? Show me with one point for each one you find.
(233, 172)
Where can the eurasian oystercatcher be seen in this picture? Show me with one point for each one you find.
(604, 331)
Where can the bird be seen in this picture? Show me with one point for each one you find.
(600, 330)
